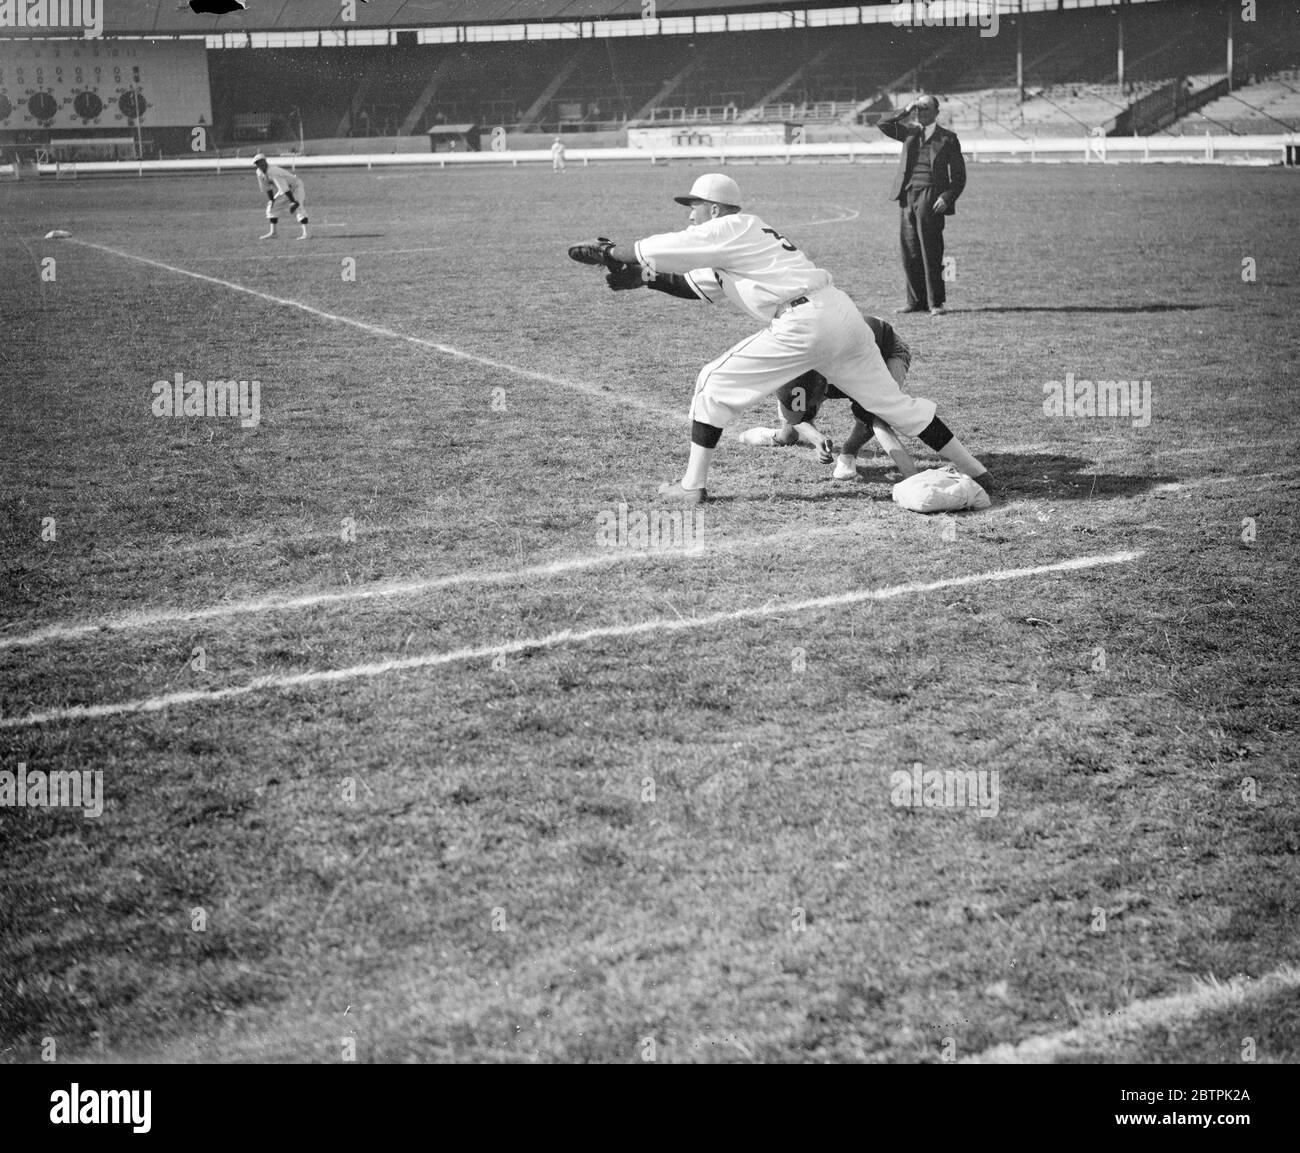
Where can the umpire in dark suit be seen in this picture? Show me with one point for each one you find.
(931, 175)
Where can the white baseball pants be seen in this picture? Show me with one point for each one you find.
(828, 334)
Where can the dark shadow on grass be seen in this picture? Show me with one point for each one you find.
(1081, 308)
(1041, 475)
(1062, 477)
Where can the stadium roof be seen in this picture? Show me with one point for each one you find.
(174, 18)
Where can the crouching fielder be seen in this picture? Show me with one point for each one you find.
(801, 400)
(810, 324)
(283, 191)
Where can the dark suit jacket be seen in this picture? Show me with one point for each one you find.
(947, 168)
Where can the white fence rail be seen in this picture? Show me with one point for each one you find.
(1092, 149)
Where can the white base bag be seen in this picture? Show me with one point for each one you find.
(940, 490)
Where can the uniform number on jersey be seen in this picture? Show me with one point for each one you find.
(784, 243)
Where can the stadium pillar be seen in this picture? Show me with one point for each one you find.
(1119, 51)
(1020, 59)
(1231, 85)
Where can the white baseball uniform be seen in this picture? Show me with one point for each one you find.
(287, 187)
(557, 156)
(763, 274)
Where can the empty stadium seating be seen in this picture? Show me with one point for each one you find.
(1272, 105)
(838, 77)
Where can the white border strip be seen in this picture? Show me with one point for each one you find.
(1080, 149)
(1127, 1024)
(550, 640)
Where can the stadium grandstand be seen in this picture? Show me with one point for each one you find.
(399, 75)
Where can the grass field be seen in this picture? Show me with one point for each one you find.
(399, 762)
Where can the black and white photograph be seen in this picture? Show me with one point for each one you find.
(651, 532)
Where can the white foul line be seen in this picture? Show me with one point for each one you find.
(550, 640)
(1128, 1023)
(620, 396)
(144, 620)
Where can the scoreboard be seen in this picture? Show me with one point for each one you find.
(103, 84)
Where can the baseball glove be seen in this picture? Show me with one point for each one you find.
(594, 252)
(625, 276)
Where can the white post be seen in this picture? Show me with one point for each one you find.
(139, 137)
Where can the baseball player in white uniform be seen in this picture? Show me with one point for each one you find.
(557, 155)
(800, 401)
(283, 190)
(810, 324)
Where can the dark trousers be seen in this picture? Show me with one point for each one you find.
(922, 237)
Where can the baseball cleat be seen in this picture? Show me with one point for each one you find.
(909, 308)
(267, 235)
(938, 310)
(672, 490)
(846, 468)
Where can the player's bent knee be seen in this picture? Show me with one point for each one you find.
(705, 435)
(935, 435)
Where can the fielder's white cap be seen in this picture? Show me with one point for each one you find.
(259, 156)
(715, 187)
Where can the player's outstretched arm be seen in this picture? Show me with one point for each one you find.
(625, 272)
(798, 427)
(629, 276)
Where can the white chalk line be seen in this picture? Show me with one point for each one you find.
(846, 214)
(1105, 1032)
(296, 255)
(621, 398)
(145, 620)
(550, 640)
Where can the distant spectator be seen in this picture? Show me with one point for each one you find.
(931, 175)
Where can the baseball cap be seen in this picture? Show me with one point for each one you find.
(715, 187)
(259, 156)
